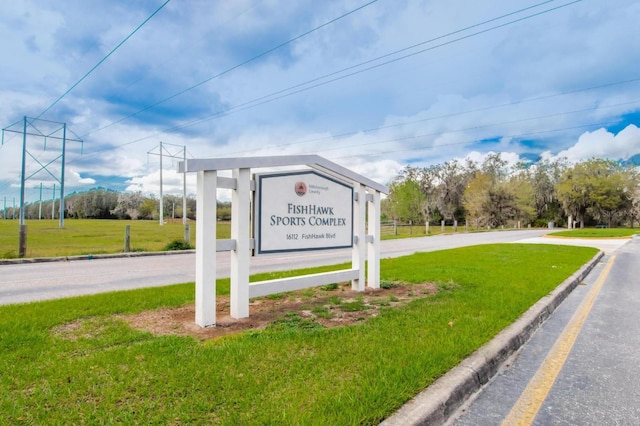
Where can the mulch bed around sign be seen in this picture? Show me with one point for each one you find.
(326, 306)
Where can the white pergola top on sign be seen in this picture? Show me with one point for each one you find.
(313, 161)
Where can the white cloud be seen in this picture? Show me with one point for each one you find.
(604, 144)
(493, 92)
(172, 183)
(73, 178)
(381, 171)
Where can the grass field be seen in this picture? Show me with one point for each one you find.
(598, 233)
(83, 237)
(73, 361)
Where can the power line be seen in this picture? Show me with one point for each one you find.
(422, 120)
(8, 184)
(520, 135)
(102, 60)
(283, 93)
(228, 70)
(406, 138)
(265, 99)
(406, 49)
(462, 113)
(173, 57)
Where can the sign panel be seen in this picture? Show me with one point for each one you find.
(302, 211)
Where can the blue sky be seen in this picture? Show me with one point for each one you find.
(392, 83)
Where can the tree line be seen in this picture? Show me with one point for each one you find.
(102, 203)
(487, 194)
(492, 194)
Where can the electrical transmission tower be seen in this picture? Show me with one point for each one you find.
(169, 150)
(49, 161)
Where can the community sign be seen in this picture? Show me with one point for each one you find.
(305, 210)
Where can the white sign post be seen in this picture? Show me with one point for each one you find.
(323, 208)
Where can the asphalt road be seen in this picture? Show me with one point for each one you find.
(51, 280)
(581, 366)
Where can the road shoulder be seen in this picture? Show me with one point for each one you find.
(441, 400)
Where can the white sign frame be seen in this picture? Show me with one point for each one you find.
(290, 208)
(366, 234)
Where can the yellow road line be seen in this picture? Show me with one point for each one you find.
(526, 408)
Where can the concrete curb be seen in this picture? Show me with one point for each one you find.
(436, 404)
(92, 257)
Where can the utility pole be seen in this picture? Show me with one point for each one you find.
(165, 152)
(64, 143)
(40, 205)
(184, 188)
(161, 206)
(22, 242)
(53, 203)
(22, 177)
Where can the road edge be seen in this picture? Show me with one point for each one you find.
(91, 257)
(437, 403)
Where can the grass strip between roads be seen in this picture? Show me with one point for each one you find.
(110, 373)
(598, 233)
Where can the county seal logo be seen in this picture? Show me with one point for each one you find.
(301, 188)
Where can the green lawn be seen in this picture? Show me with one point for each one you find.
(71, 361)
(82, 237)
(388, 232)
(598, 233)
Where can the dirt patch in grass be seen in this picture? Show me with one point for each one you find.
(327, 306)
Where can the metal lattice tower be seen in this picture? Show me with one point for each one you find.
(49, 161)
(178, 152)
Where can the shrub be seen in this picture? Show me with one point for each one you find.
(177, 245)
(388, 285)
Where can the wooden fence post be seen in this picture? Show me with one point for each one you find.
(127, 238)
